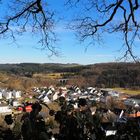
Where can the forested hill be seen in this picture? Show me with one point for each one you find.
(118, 74)
(102, 74)
(23, 68)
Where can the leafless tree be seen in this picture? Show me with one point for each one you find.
(98, 18)
(109, 16)
(33, 16)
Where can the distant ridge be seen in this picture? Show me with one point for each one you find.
(126, 75)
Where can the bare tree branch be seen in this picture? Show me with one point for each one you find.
(31, 14)
(98, 17)
(125, 12)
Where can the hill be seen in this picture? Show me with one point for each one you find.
(23, 68)
(126, 75)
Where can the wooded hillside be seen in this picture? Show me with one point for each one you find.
(126, 75)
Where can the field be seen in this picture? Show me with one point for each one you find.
(127, 91)
(49, 75)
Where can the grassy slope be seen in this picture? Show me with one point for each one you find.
(127, 91)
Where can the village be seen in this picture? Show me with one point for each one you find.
(112, 106)
(14, 101)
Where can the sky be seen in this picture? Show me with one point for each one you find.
(71, 51)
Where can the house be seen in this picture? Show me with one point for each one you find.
(17, 94)
(46, 99)
(132, 102)
(1, 95)
(113, 93)
(15, 103)
(4, 108)
(40, 96)
(109, 128)
(7, 94)
(55, 96)
(28, 108)
(134, 114)
(91, 89)
(49, 92)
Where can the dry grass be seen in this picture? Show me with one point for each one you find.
(25, 83)
(48, 76)
(127, 91)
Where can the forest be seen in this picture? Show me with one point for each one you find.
(125, 75)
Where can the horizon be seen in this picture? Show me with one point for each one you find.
(69, 63)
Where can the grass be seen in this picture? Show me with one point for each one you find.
(49, 76)
(127, 91)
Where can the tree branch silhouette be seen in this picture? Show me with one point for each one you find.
(34, 16)
(93, 26)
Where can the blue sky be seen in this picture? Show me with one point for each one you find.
(71, 51)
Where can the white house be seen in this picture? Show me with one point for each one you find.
(49, 92)
(7, 95)
(46, 99)
(15, 103)
(40, 96)
(92, 90)
(0, 95)
(113, 93)
(55, 96)
(5, 109)
(17, 94)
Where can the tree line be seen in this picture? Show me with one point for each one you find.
(126, 75)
